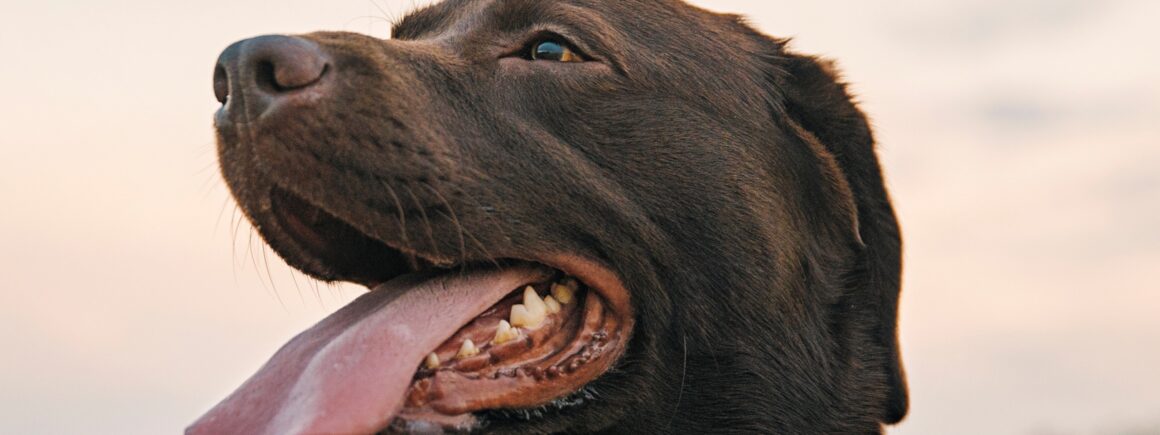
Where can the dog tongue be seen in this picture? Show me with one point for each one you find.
(349, 373)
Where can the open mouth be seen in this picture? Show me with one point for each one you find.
(430, 347)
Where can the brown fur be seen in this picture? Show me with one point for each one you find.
(733, 185)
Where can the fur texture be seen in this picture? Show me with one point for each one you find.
(733, 184)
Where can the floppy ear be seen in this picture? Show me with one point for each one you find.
(818, 103)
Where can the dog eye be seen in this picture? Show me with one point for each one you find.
(554, 51)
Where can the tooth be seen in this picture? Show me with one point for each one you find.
(505, 333)
(468, 350)
(432, 361)
(535, 305)
(563, 293)
(553, 306)
(571, 283)
(520, 317)
(523, 317)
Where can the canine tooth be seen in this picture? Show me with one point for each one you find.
(522, 317)
(553, 306)
(563, 293)
(505, 333)
(468, 350)
(535, 305)
(432, 361)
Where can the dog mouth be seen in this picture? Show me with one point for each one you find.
(432, 346)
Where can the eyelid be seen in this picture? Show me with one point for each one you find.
(541, 35)
(569, 55)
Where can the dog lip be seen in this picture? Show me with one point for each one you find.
(314, 407)
(325, 241)
(581, 353)
(325, 245)
(597, 275)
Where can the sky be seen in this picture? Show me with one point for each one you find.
(1021, 141)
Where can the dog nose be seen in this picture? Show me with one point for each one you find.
(266, 69)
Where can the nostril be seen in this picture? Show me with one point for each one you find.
(265, 78)
(221, 84)
(282, 63)
(299, 73)
(284, 77)
(261, 71)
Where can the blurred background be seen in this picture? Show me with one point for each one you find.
(1021, 139)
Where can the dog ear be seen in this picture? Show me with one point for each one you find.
(819, 104)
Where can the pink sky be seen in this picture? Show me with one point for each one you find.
(1020, 137)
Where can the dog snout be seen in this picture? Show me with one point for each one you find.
(253, 75)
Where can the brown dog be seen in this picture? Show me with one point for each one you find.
(575, 216)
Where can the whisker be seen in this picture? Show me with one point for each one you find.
(314, 284)
(684, 371)
(270, 276)
(221, 213)
(455, 219)
(317, 295)
(371, 18)
(387, 16)
(402, 217)
(237, 227)
(206, 167)
(211, 182)
(490, 219)
(426, 220)
(254, 260)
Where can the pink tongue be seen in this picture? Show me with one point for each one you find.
(349, 373)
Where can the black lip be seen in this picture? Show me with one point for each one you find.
(337, 250)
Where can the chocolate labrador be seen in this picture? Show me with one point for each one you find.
(623, 216)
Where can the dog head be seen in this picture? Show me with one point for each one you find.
(711, 200)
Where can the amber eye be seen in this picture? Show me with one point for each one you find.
(554, 51)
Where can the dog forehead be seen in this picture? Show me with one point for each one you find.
(457, 17)
(662, 33)
(663, 48)
(450, 18)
